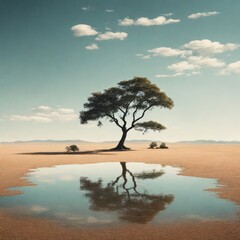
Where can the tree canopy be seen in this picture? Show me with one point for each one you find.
(125, 105)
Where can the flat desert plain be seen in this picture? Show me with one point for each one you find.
(210, 161)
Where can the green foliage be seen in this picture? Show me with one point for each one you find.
(150, 125)
(129, 97)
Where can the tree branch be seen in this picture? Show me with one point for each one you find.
(125, 114)
(137, 119)
(114, 119)
(120, 109)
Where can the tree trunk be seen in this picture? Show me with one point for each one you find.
(124, 169)
(120, 145)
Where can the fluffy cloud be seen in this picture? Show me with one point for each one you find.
(126, 22)
(197, 54)
(234, 67)
(42, 109)
(168, 75)
(109, 10)
(65, 110)
(202, 14)
(194, 63)
(231, 68)
(168, 14)
(144, 21)
(45, 114)
(206, 61)
(87, 8)
(207, 47)
(169, 52)
(30, 118)
(183, 66)
(111, 35)
(92, 47)
(80, 30)
(142, 56)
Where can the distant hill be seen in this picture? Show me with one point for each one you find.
(48, 141)
(208, 142)
(128, 141)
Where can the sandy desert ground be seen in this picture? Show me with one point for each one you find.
(211, 161)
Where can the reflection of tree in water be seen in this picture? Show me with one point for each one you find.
(131, 205)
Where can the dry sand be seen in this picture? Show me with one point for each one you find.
(212, 161)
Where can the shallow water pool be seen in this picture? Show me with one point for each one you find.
(109, 194)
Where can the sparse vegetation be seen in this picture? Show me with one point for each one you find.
(153, 145)
(72, 148)
(163, 146)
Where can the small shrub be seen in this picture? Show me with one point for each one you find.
(153, 145)
(163, 146)
(72, 148)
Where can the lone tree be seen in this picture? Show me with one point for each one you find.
(126, 105)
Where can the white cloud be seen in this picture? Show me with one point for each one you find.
(197, 54)
(183, 66)
(87, 8)
(193, 73)
(206, 61)
(80, 30)
(45, 114)
(202, 14)
(169, 52)
(144, 21)
(30, 118)
(145, 57)
(231, 68)
(42, 109)
(167, 14)
(111, 35)
(109, 10)
(168, 75)
(65, 110)
(142, 56)
(92, 47)
(234, 67)
(207, 47)
(126, 22)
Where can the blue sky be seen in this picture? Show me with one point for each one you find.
(55, 53)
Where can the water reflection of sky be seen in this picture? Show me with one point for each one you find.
(84, 195)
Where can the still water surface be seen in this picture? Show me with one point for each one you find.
(105, 194)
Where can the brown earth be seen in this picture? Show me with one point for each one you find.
(211, 161)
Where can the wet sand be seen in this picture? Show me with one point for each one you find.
(211, 161)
